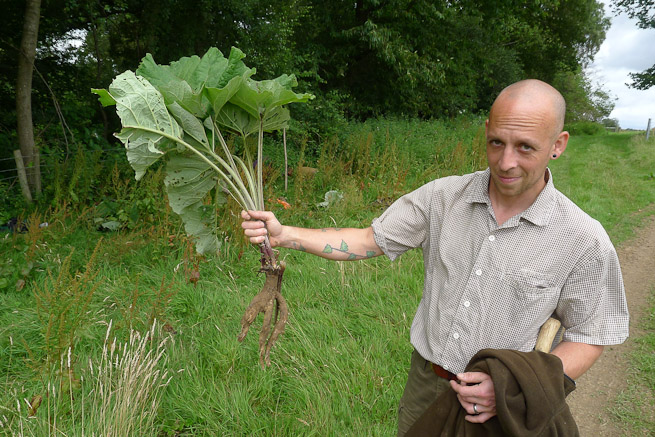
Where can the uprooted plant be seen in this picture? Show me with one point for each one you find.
(177, 111)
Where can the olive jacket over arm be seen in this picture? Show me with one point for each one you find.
(530, 389)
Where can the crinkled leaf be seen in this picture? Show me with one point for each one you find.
(188, 181)
(184, 81)
(259, 97)
(194, 131)
(218, 97)
(237, 120)
(173, 88)
(213, 70)
(139, 105)
(276, 119)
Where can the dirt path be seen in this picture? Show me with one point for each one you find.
(598, 388)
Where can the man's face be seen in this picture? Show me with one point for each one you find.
(521, 140)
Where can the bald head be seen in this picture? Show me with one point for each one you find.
(534, 95)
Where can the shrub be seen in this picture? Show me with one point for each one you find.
(585, 128)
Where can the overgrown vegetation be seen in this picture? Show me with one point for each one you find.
(636, 406)
(361, 59)
(339, 370)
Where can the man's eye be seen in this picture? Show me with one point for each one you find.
(526, 148)
(495, 142)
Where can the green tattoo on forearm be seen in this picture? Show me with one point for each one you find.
(298, 246)
(344, 249)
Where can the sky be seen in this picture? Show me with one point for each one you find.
(627, 49)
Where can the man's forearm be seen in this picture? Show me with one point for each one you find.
(577, 358)
(332, 243)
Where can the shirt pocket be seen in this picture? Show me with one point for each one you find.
(529, 285)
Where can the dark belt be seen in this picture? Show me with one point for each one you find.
(443, 373)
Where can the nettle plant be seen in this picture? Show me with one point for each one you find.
(178, 113)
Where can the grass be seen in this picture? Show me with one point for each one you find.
(635, 406)
(611, 177)
(339, 368)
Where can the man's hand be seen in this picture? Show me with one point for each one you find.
(476, 389)
(257, 224)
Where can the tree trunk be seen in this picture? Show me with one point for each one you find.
(96, 48)
(24, 126)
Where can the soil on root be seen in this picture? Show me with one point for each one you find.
(276, 311)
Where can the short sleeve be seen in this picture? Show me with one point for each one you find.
(592, 304)
(405, 224)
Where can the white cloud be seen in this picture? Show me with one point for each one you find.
(626, 49)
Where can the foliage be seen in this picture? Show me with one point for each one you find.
(610, 123)
(62, 304)
(351, 358)
(642, 10)
(585, 128)
(176, 111)
(400, 57)
(584, 101)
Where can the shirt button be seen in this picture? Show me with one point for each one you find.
(492, 238)
(478, 272)
(467, 303)
(456, 336)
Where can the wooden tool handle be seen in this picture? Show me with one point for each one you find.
(547, 335)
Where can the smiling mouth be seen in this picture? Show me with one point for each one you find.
(507, 179)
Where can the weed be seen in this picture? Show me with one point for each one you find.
(62, 304)
(117, 394)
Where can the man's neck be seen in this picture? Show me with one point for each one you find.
(506, 207)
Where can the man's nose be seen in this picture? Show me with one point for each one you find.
(507, 159)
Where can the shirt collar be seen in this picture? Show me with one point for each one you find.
(538, 213)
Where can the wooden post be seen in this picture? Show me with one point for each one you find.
(22, 177)
(648, 130)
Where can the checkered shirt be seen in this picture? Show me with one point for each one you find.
(490, 286)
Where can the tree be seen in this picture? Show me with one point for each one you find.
(25, 129)
(584, 101)
(644, 12)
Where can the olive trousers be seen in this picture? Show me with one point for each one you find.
(422, 388)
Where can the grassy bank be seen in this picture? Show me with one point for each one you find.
(339, 368)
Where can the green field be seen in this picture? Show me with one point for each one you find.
(340, 366)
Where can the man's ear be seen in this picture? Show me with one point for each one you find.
(560, 143)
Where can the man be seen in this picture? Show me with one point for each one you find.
(503, 251)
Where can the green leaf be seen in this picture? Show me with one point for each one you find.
(189, 80)
(213, 70)
(327, 249)
(237, 120)
(193, 128)
(111, 225)
(259, 97)
(344, 246)
(218, 97)
(173, 88)
(276, 119)
(105, 98)
(188, 181)
(143, 114)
